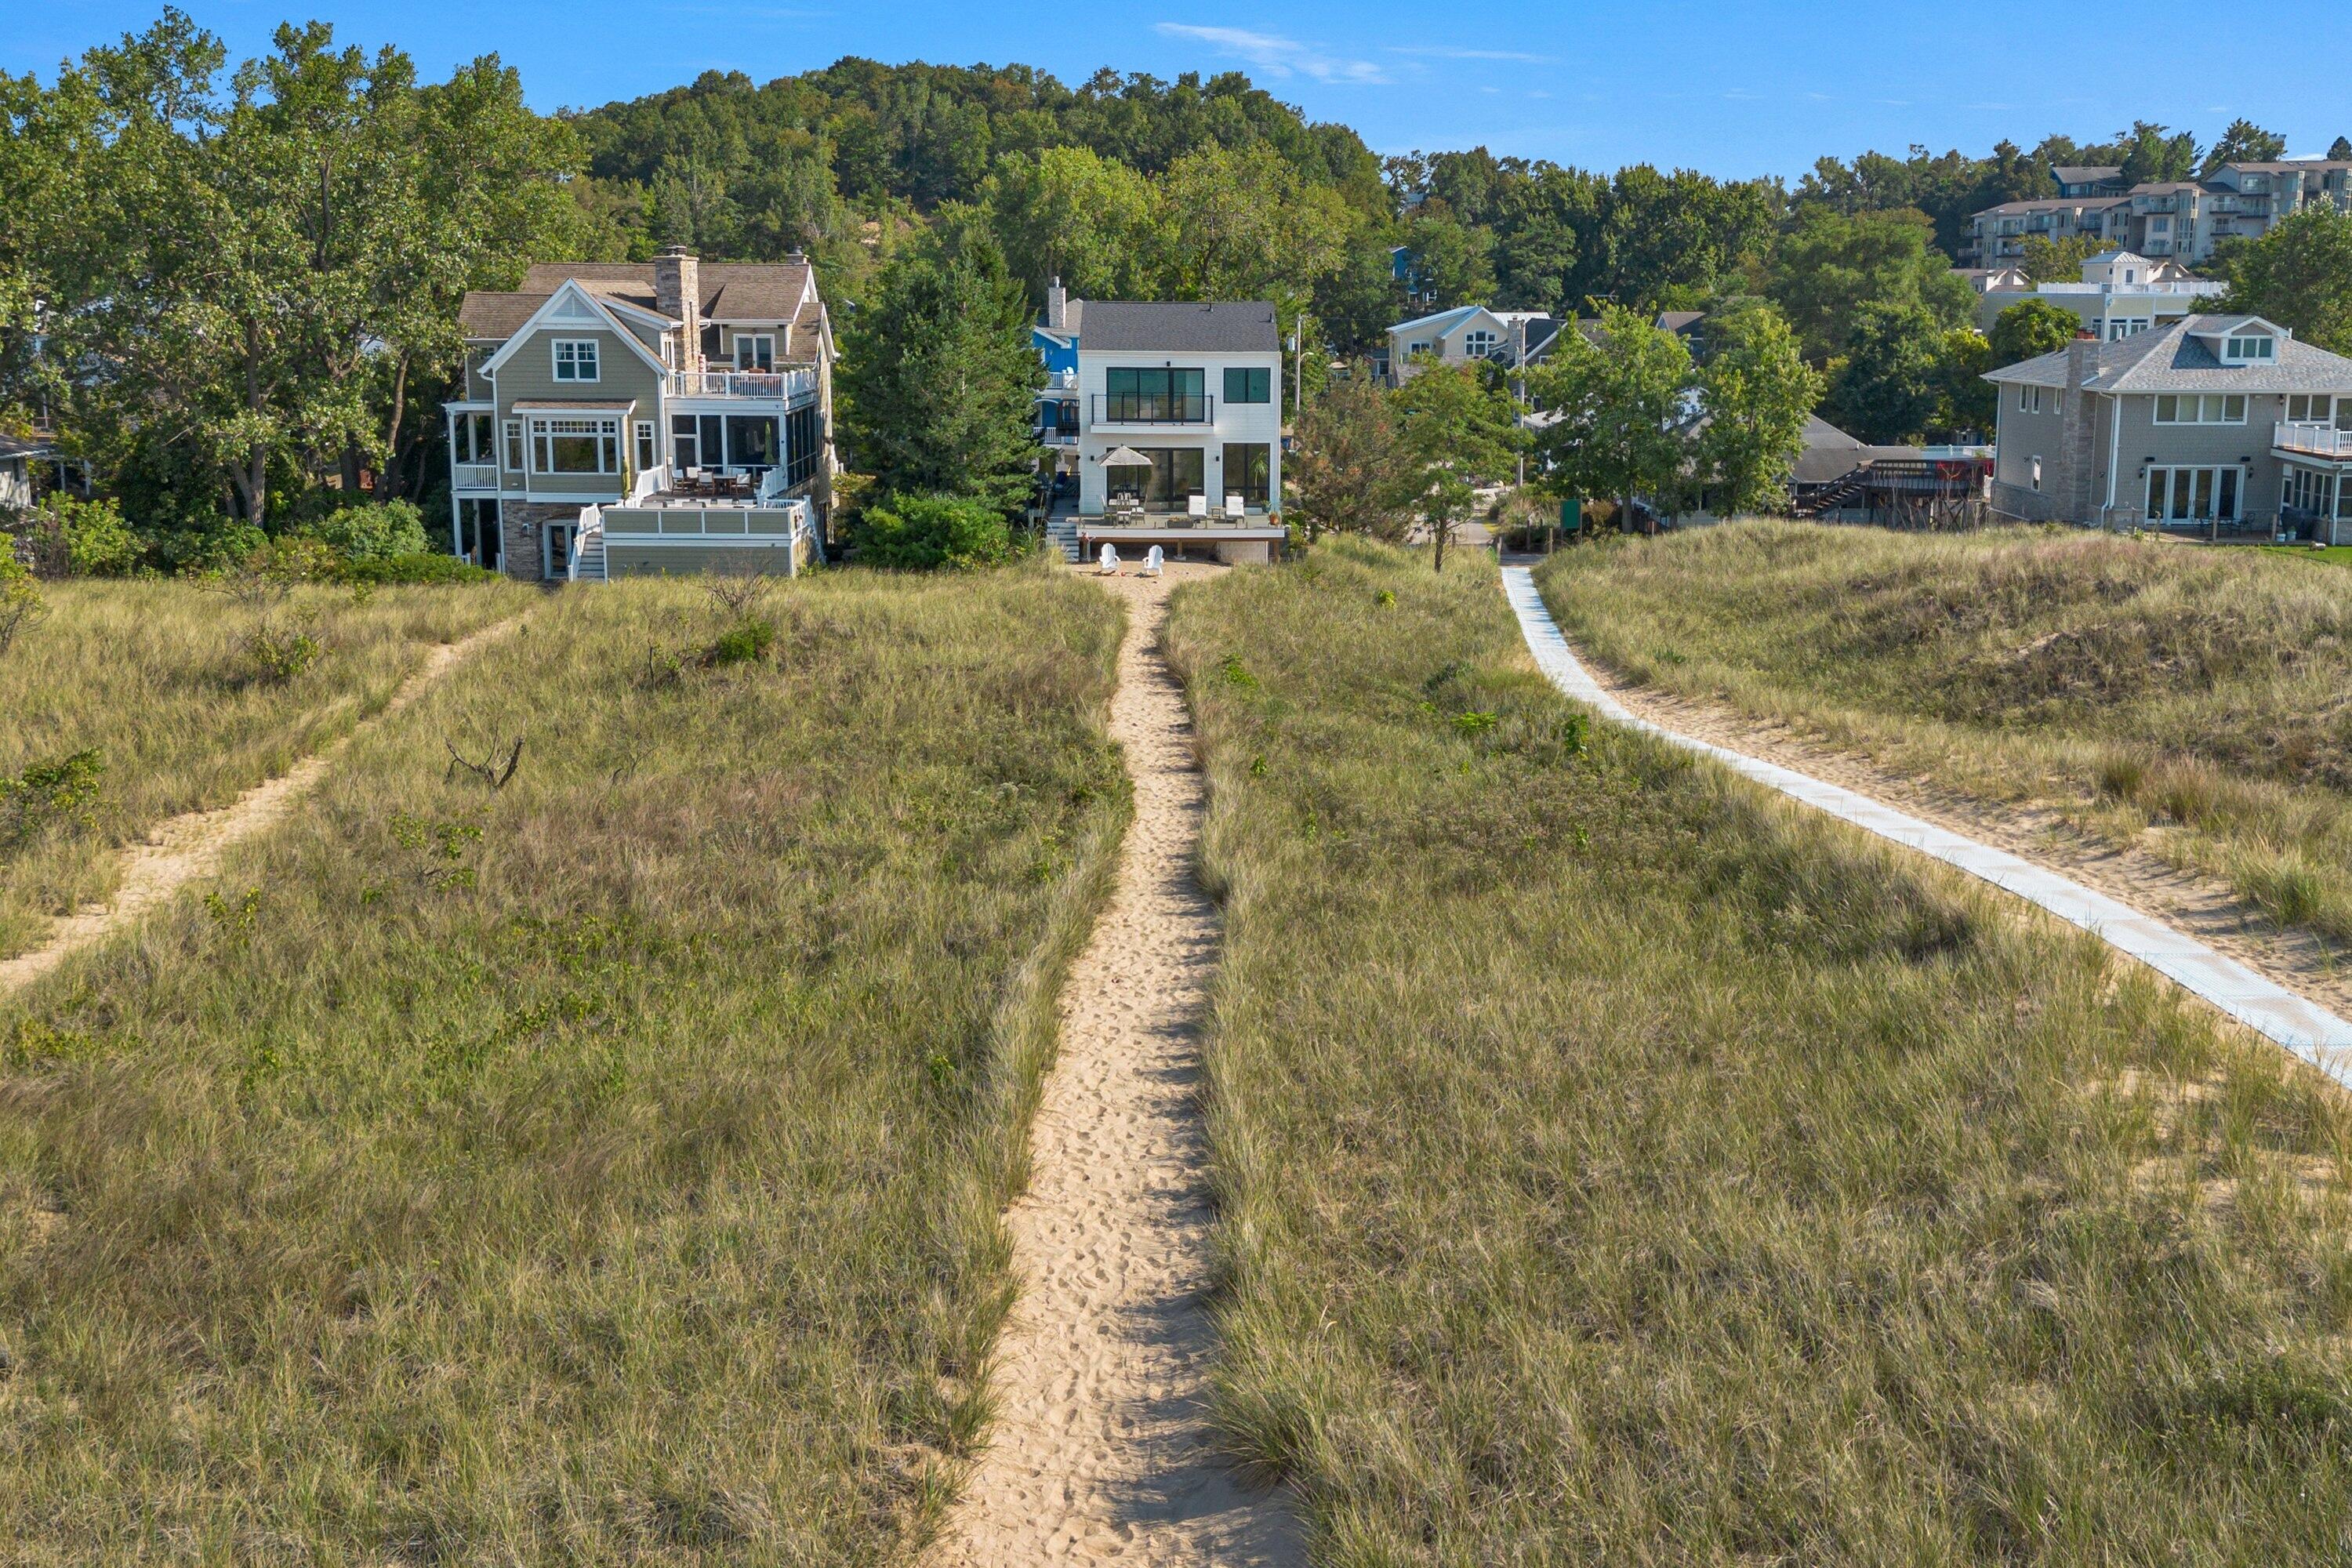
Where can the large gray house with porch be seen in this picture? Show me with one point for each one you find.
(2216, 422)
(624, 418)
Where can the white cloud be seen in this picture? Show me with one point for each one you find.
(1439, 52)
(1279, 57)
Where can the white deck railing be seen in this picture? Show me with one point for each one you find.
(766, 385)
(474, 476)
(2318, 439)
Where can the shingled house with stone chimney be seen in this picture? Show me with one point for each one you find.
(2209, 422)
(673, 416)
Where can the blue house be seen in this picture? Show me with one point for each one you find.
(1057, 342)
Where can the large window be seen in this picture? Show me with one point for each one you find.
(1243, 386)
(1478, 345)
(2192, 495)
(1175, 475)
(576, 359)
(1163, 396)
(2312, 408)
(1248, 466)
(2201, 408)
(575, 446)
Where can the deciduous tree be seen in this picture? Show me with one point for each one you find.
(2028, 329)
(1617, 407)
(1456, 429)
(1349, 473)
(1757, 394)
(2298, 274)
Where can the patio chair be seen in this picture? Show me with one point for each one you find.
(1107, 565)
(1151, 559)
(1196, 507)
(1236, 507)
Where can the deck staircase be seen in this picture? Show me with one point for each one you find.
(1833, 496)
(1061, 534)
(588, 548)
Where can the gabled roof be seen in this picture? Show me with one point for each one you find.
(572, 303)
(1441, 324)
(1183, 326)
(2175, 357)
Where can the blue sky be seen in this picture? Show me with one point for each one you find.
(1732, 88)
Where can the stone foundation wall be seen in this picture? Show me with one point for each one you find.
(519, 522)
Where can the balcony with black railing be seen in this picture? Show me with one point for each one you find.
(1153, 408)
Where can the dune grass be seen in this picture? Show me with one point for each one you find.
(2190, 699)
(1618, 1166)
(605, 1169)
(160, 680)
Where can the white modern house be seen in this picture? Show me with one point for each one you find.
(1179, 438)
(620, 418)
(2206, 423)
(2121, 292)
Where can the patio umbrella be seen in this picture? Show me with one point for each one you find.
(1125, 457)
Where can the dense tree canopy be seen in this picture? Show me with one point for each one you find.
(2299, 274)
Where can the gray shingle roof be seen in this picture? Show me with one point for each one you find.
(2175, 358)
(2087, 174)
(1133, 326)
(731, 292)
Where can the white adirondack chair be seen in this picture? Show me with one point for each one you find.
(1108, 563)
(1151, 559)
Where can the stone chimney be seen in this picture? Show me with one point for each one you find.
(1057, 306)
(678, 291)
(2077, 439)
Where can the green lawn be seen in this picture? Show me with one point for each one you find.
(1618, 1165)
(603, 1170)
(160, 680)
(2189, 701)
(2332, 554)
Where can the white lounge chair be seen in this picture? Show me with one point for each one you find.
(1108, 563)
(1197, 508)
(1236, 507)
(1151, 559)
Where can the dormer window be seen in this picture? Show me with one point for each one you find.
(2249, 347)
(576, 359)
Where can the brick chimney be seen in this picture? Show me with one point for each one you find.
(678, 291)
(1057, 306)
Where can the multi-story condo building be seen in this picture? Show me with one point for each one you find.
(1178, 428)
(618, 418)
(2120, 293)
(2208, 421)
(2181, 220)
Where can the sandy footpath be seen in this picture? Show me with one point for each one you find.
(191, 845)
(1101, 1450)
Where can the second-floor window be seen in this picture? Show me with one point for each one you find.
(755, 350)
(2207, 408)
(1246, 385)
(1478, 345)
(2029, 400)
(576, 359)
(1160, 395)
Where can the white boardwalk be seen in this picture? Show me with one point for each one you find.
(2310, 1031)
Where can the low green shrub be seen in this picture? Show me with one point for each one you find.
(746, 641)
(366, 531)
(55, 794)
(928, 533)
(382, 571)
(20, 597)
(281, 651)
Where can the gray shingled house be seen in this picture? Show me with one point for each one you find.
(626, 418)
(2210, 422)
